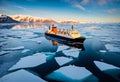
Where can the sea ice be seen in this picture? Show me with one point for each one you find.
(21, 76)
(15, 48)
(103, 51)
(3, 52)
(38, 40)
(111, 48)
(60, 48)
(62, 60)
(104, 66)
(74, 72)
(72, 52)
(2, 39)
(30, 61)
(48, 53)
(25, 50)
(2, 43)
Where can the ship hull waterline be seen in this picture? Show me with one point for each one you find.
(77, 42)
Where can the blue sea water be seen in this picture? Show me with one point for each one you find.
(25, 50)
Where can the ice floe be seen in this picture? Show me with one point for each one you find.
(3, 52)
(111, 48)
(72, 52)
(14, 48)
(21, 76)
(30, 61)
(62, 60)
(20, 34)
(3, 43)
(2, 39)
(103, 51)
(104, 66)
(25, 50)
(38, 40)
(48, 53)
(60, 48)
(74, 72)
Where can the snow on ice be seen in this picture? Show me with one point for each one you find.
(104, 66)
(60, 48)
(30, 61)
(111, 48)
(14, 48)
(72, 52)
(21, 76)
(62, 60)
(74, 72)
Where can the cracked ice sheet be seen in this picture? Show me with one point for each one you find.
(104, 66)
(111, 48)
(109, 39)
(3, 43)
(62, 60)
(38, 40)
(102, 51)
(60, 48)
(72, 52)
(2, 39)
(18, 77)
(3, 52)
(25, 50)
(30, 61)
(74, 72)
(27, 36)
(14, 48)
(20, 34)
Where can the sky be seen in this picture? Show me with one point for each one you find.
(78, 10)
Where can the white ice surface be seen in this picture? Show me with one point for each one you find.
(48, 53)
(72, 52)
(104, 66)
(3, 52)
(15, 48)
(74, 72)
(2, 39)
(103, 51)
(30, 61)
(21, 76)
(112, 48)
(3, 43)
(62, 60)
(38, 40)
(60, 48)
(25, 50)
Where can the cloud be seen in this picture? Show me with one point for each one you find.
(79, 7)
(112, 11)
(20, 7)
(77, 3)
(102, 2)
(85, 2)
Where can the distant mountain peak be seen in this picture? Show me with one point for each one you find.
(3, 16)
(6, 19)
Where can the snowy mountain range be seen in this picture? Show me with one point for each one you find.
(27, 18)
(7, 19)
